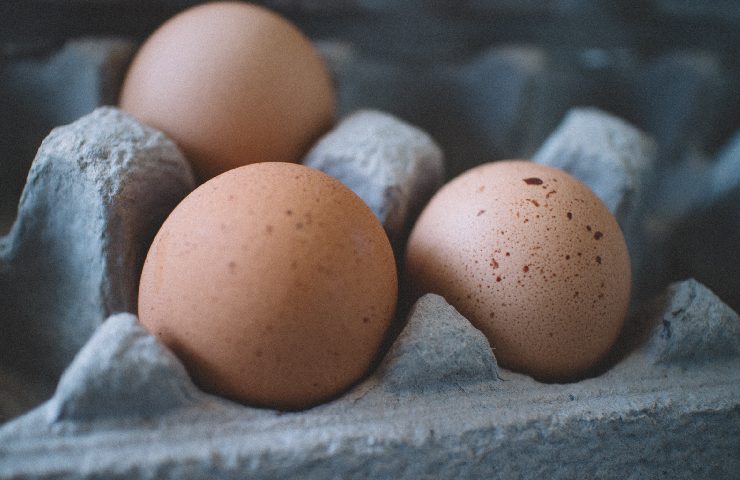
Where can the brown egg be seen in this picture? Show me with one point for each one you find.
(273, 283)
(532, 258)
(232, 84)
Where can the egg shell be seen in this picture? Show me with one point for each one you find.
(232, 84)
(532, 258)
(273, 283)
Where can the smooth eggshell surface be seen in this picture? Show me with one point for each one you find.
(232, 84)
(532, 258)
(273, 283)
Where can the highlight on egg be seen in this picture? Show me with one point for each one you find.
(273, 283)
(533, 259)
(232, 84)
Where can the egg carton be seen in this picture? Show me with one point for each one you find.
(666, 403)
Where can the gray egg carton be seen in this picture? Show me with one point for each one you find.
(666, 403)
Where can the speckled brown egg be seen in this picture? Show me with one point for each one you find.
(232, 84)
(273, 283)
(533, 259)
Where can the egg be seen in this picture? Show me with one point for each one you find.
(232, 84)
(273, 283)
(533, 259)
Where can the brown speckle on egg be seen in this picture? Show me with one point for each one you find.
(290, 328)
(555, 324)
